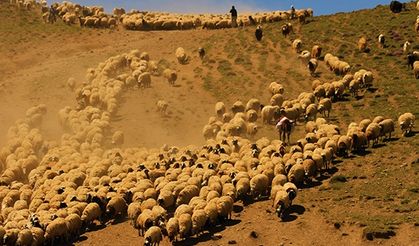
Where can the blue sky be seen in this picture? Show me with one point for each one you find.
(320, 7)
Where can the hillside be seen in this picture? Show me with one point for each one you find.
(374, 193)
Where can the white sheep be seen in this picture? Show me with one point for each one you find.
(118, 138)
(153, 236)
(406, 122)
(381, 40)
(281, 202)
(406, 47)
(170, 75)
(297, 45)
(172, 228)
(220, 109)
(185, 225)
(312, 65)
(162, 106)
(199, 218)
(325, 105)
(181, 55)
(144, 80)
(259, 185)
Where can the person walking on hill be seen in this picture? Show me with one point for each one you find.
(292, 12)
(52, 14)
(233, 13)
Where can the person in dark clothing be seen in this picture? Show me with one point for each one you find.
(292, 12)
(259, 33)
(233, 13)
(52, 14)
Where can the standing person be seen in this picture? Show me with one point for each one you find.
(292, 12)
(52, 14)
(233, 13)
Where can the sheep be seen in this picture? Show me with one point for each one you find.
(281, 203)
(185, 225)
(166, 198)
(312, 66)
(310, 168)
(253, 104)
(316, 52)
(201, 53)
(304, 57)
(276, 100)
(406, 122)
(325, 105)
(411, 58)
(344, 145)
(242, 187)
(38, 237)
(381, 40)
(187, 194)
(311, 112)
(56, 229)
(144, 221)
(153, 236)
(162, 106)
(133, 211)
(259, 185)
(269, 114)
(170, 75)
(172, 228)
(220, 109)
(373, 132)
(416, 69)
(199, 218)
(74, 225)
(406, 47)
(354, 86)
(386, 126)
(118, 138)
(181, 55)
(144, 80)
(251, 116)
(259, 33)
(362, 44)
(286, 29)
(90, 213)
(24, 237)
(296, 174)
(276, 88)
(297, 45)
(116, 206)
(237, 107)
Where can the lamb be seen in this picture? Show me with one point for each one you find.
(297, 45)
(381, 40)
(406, 122)
(386, 126)
(118, 138)
(312, 65)
(162, 106)
(362, 44)
(185, 225)
(220, 109)
(153, 236)
(172, 228)
(316, 52)
(144, 80)
(259, 185)
(170, 75)
(181, 55)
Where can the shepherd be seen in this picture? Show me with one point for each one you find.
(233, 13)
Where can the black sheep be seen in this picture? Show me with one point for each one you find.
(259, 33)
(396, 6)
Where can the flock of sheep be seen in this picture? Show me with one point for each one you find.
(52, 192)
(95, 16)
